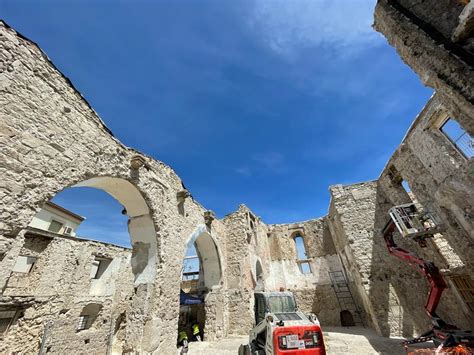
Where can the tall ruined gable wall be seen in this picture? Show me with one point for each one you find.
(313, 291)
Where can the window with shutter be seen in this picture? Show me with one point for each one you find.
(465, 286)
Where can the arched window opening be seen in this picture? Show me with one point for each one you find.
(259, 286)
(99, 216)
(406, 187)
(301, 255)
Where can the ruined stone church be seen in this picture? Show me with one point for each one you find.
(60, 293)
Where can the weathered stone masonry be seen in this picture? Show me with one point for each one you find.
(424, 35)
(40, 156)
(60, 285)
(51, 139)
(392, 294)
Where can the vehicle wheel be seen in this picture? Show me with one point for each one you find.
(254, 348)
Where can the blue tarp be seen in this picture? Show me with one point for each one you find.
(187, 299)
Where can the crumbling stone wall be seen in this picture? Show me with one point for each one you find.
(351, 221)
(435, 38)
(239, 271)
(426, 35)
(48, 127)
(52, 139)
(53, 294)
(440, 179)
(392, 294)
(313, 291)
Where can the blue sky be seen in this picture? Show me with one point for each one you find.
(265, 103)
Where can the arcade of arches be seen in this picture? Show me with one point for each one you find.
(51, 301)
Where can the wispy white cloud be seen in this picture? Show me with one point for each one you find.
(243, 170)
(264, 163)
(270, 161)
(289, 25)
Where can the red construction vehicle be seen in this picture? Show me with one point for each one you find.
(420, 225)
(281, 329)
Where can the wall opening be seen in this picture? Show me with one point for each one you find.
(8, 316)
(406, 186)
(301, 255)
(259, 286)
(200, 273)
(98, 267)
(129, 225)
(118, 336)
(347, 320)
(458, 136)
(88, 316)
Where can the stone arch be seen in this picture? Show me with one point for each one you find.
(209, 315)
(140, 224)
(258, 277)
(63, 143)
(210, 259)
(134, 193)
(347, 319)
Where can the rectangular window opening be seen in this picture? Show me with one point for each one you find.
(24, 264)
(99, 266)
(6, 318)
(55, 226)
(459, 137)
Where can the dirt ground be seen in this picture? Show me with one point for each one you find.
(338, 340)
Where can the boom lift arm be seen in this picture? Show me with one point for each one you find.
(401, 219)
